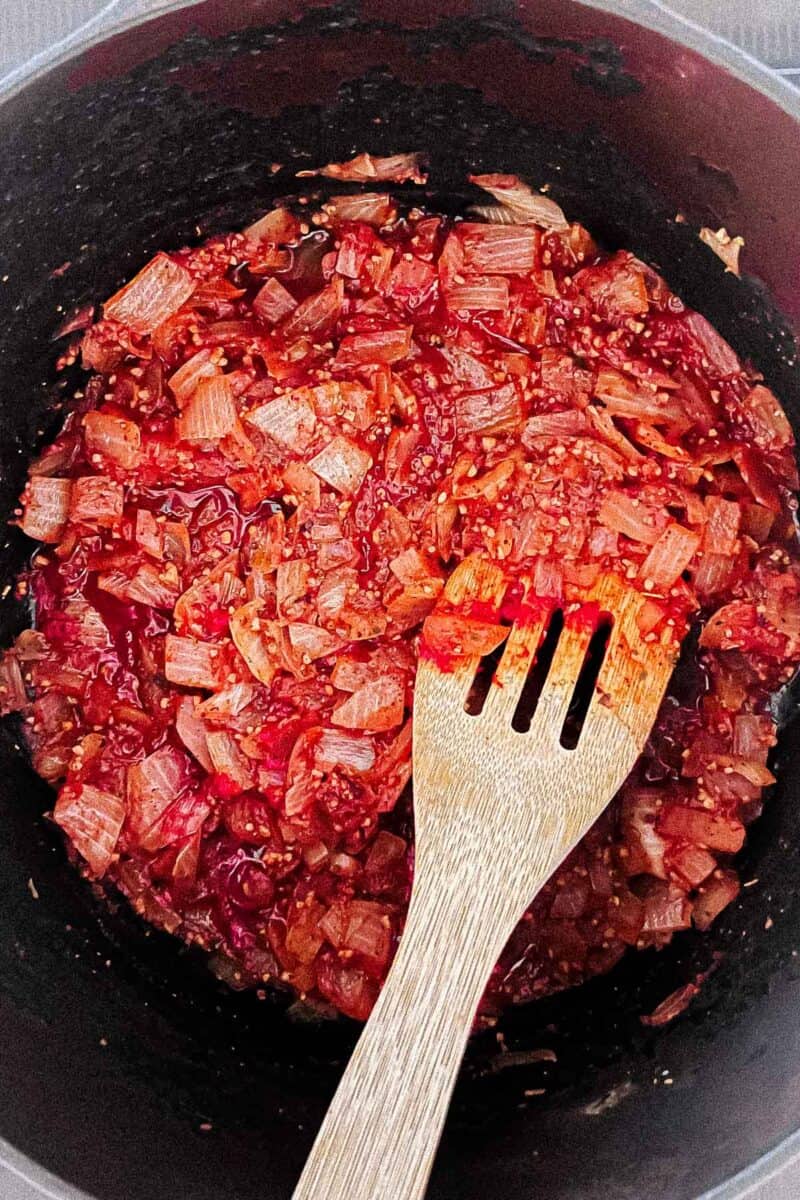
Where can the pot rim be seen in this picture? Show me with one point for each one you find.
(653, 15)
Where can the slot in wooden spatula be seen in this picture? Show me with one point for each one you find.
(496, 811)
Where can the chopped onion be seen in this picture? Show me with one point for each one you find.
(232, 700)
(92, 819)
(716, 350)
(192, 731)
(380, 346)
(364, 168)
(96, 500)
(498, 249)
(376, 706)
(13, 696)
(722, 530)
(46, 505)
(190, 663)
(630, 516)
(374, 208)
(148, 584)
(210, 413)
(715, 895)
(670, 1008)
(317, 313)
(350, 751)
(670, 556)
(113, 437)
(521, 202)
(479, 292)
(156, 293)
(767, 419)
(152, 786)
(497, 411)
(289, 420)
(277, 226)
(185, 380)
(254, 638)
(446, 634)
(312, 642)
(228, 758)
(342, 464)
(273, 302)
(702, 826)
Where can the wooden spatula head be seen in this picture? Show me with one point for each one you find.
(522, 778)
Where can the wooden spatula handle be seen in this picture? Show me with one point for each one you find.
(382, 1129)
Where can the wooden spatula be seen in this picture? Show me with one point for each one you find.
(496, 811)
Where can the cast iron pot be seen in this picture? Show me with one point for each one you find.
(127, 1072)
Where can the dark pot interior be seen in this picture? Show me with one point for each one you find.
(126, 1068)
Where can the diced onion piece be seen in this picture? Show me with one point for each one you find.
(92, 819)
(456, 635)
(497, 411)
(96, 500)
(479, 292)
(666, 909)
(192, 731)
(311, 641)
(152, 786)
(722, 530)
(220, 707)
(350, 751)
(342, 464)
(380, 346)
(289, 420)
(210, 413)
(646, 846)
(273, 302)
(702, 826)
(571, 423)
(670, 1008)
(617, 286)
(228, 759)
(368, 932)
(253, 637)
(113, 437)
(148, 533)
(521, 202)
(377, 706)
(317, 313)
(278, 226)
(13, 696)
(364, 168)
(156, 293)
(713, 572)
(498, 249)
(753, 736)
(46, 504)
(373, 208)
(349, 988)
(718, 353)
(184, 382)
(768, 421)
(715, 895)
(190, 663)
(628, 515)
(156, 586)
(670, 556)
(730, 626)
(466, 368)
(758, 477)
